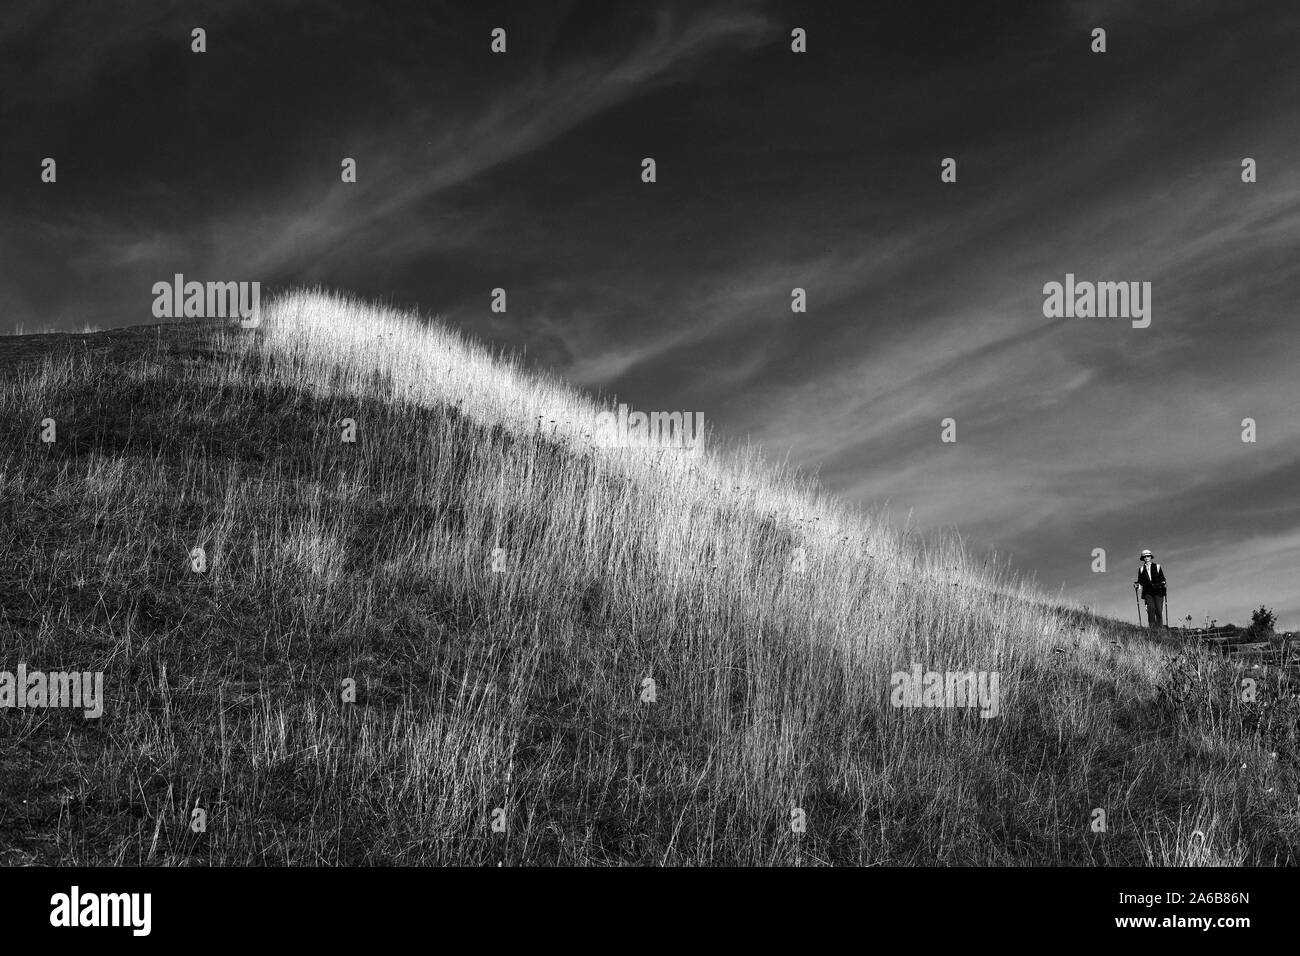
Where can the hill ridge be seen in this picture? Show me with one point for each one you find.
(457, 614)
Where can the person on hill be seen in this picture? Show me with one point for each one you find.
(1151, 579)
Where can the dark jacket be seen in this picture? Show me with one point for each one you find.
(1153, 582)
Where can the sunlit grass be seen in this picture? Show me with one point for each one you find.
(520, 689)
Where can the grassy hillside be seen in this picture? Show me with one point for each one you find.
(500, 587)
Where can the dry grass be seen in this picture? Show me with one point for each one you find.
(521, 689)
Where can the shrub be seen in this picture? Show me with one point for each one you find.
(1262, 621)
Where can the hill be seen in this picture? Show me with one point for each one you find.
(476, 634)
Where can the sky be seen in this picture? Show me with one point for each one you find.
(775, 170)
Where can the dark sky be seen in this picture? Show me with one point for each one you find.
(775, 170)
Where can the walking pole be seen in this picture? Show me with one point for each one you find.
(1166, 610)
(1138, 598)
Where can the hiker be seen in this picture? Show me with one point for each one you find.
(1151, 579)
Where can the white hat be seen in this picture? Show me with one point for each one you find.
(1146, 554)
